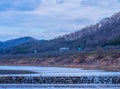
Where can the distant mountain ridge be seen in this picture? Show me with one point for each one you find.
(103, 34)
(113, 20)
(16, 42)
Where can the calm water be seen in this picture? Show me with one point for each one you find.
(55, 71)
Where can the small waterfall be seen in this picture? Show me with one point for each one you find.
(60, 80)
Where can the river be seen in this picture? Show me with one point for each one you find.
(76, 78)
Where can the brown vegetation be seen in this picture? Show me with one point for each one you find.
(99, 59)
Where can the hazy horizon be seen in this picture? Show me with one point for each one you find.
(47, 19)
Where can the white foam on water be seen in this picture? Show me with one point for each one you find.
(57, 71)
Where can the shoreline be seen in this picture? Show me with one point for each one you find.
(86, 67)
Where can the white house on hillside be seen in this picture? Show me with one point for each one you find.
(64, 49)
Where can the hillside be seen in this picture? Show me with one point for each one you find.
(104, 34)
(8, 46)
(16, 42)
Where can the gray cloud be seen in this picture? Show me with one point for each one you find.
(55, 17)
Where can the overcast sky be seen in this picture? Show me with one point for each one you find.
(47, 19)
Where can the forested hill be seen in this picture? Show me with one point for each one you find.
(103, 34)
